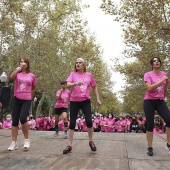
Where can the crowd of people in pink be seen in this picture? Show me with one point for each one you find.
(101, 123)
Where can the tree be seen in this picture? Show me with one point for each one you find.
(146, 34)
(53, 35)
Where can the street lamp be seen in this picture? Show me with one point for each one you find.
(3, 79)
(35, 99)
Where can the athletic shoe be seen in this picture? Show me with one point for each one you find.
(168, 147)
(67, 150)
(150, 151)
(56, 134)
(65, 135)
(13, 146)
(26, 144)
(92, 146)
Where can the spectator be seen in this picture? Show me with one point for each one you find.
(140, 128)
(133, 125)
(8, 122)
(110, 123)
(157, 129)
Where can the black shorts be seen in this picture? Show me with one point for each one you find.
(59, 111)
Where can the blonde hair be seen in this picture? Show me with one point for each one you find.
(84, 63)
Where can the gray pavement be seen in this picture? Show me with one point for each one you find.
(115, 151)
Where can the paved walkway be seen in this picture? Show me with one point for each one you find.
(114, 152)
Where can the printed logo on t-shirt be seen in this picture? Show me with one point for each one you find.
(23, 83)
(159, 90)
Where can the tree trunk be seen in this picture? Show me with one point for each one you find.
(51, 105)
(40, 105)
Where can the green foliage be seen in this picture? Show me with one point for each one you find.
(53, 35)
(146, 32)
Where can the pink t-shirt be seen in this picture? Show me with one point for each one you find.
(110, 125)
(128, 122)
(23, 85)
(31, 124)
(96, 121)
(102, 123)
(120, 125)
(7, 124)
(157, 131)
(65, 97)
(153, 78)
(50, 122)
(40, 123)
(81, 93)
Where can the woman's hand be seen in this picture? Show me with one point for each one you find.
(99, 103)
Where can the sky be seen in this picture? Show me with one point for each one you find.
(108, 34)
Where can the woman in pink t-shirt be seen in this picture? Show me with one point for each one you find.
(24, 91)
(156, 82)
(61, 107)
(31, 122)
(80, 81)
(110, 123)
(157, 129)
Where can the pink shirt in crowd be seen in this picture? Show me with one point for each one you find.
(23, 85)
(7, 124)
(50, 123)
(120, 125)
(153, 78)
(96, 121)
(81, 93)
(63, 102)
(110, 125)
(83, 123)
(102, 123)
(128, 122)
(31, 124)
(157, 131)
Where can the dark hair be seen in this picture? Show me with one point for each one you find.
(63, 82)
(157, 124)
(109, 114)
(152, 60)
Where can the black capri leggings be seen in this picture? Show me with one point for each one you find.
(20, 111)
(85, 106)
(160, 106)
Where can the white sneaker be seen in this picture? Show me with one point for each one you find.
(56, 134)
(65, 135)
(26, 144)
(13, 146)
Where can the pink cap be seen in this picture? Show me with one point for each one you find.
(81, 60)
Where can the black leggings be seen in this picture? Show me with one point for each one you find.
(160, 106)
(20, 111)
(85, 106)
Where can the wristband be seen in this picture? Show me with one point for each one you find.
(75, 83)
(18, 69)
